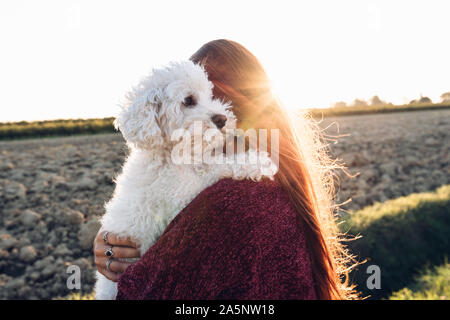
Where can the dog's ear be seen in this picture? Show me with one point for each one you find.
(139, 119)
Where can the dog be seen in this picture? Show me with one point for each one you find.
(152, 188)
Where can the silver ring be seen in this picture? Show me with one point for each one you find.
(105, 237)
(109, 252)
(108, 263)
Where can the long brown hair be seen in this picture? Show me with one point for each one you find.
(305, 170)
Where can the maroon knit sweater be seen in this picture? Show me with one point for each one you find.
(235, 240)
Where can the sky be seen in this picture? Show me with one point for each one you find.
(77, 59)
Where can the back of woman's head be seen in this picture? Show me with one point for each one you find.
(238, 76)
(305, 170)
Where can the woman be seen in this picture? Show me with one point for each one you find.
(240, 239)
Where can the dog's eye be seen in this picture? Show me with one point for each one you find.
(189, 102)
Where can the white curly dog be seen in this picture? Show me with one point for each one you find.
(152, 189)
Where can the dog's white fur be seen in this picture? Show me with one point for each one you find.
(152, 190)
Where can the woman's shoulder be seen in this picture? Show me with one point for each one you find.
(243, 205)
(245, 200)
(229, 184)
(230, 192)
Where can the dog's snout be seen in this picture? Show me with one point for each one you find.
(219, 120)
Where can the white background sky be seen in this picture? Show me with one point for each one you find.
(76, 59)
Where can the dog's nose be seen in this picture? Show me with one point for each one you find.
(219, 120)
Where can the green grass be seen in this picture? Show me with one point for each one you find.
(39, 129)
(401, 236)
(349, 111)
(79, 296)
(433, 284)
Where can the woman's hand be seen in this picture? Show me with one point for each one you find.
(121, 249)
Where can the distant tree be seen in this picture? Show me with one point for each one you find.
(340, 104)
(445, 97)
(359, 103)
(425, 100)
(376, 101)
(422, 99)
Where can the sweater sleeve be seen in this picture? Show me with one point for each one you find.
(236, 240)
